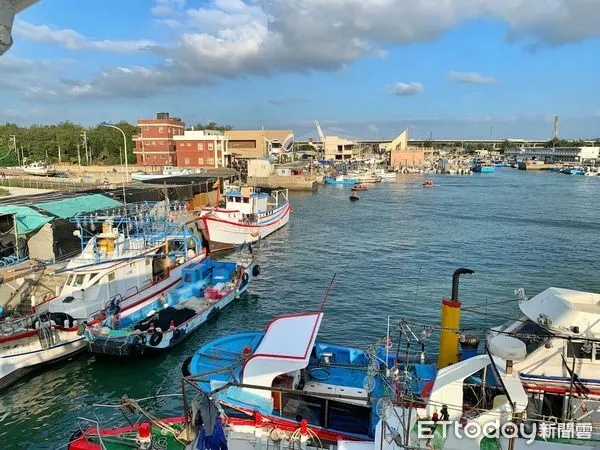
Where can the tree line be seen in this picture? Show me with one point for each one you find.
(68, 142)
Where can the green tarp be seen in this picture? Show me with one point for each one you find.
(28, 220)
(71, 207)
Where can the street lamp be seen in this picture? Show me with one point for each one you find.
(108, 124)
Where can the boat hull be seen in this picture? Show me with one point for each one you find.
(330, 180)
(27, 354)
(125, 345)
(222, 232)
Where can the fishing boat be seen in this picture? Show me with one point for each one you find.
(385, 176)
(572, 170)
(129, 255)
(166, 173)
(428, 184)
(285, 376)
(354, 197)
(161, 322)
(39, 168)
(369, 178)
(360, 187)
(248, 215)
(483, 167)
(341, 179)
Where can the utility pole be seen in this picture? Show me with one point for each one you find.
(79, 159)
(85, 147)
(59, 155)
(12, 146)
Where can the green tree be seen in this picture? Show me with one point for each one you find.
(210, 126)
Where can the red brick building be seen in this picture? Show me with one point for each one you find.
(201, 148)
(155, 145)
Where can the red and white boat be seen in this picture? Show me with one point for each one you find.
(248, 215)
(114, 267)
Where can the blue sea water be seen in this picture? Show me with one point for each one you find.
(393, 253)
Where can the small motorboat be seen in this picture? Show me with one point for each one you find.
(428, 184)
(360, 187)
(354, 197)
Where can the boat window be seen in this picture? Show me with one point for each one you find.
(79, 280)
(111, 276)
(597, 352)
(92, 275)
(531, 334)
(69, 280)
(579, 350)
(246, 200)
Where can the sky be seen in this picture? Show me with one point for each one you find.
(449, 69)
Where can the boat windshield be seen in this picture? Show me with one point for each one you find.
(531, 334)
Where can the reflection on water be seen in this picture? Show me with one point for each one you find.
(394, 252)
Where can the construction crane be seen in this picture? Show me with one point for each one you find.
(320, 132)
(8, 9)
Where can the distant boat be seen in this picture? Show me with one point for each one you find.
(360, 187)
(166, 173)
(483, 168)
(354, 197)
(341, 179)
(428, 184)
(39, 168)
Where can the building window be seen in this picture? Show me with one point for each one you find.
(186, 161)
(200, 146)
(146, 128)
(153, 142)
(210, 161)
(210, 146)
(161, 129)
(189, 144)
(200, 161)
(168, 129)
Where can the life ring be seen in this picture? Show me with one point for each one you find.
(81, 329)
(256, 271)
(155, 338)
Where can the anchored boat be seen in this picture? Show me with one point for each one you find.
(162, 322)
(128, 255)
(248, 215)
(341, 179)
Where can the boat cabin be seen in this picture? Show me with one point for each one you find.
(248, 201)
(555, 348)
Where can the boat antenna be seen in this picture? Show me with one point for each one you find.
(327, 293)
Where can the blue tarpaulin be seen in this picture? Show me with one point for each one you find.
(70, 207)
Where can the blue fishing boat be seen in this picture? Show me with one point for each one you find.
(284, 376)
(341, 179)
(483, 168)
(161, 322)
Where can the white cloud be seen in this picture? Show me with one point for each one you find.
(72, 40)
(411, 88)
(167, 7)
(235, 38)
(471, 78)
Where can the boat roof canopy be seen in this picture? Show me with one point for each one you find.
(564, 310)
(285, 347)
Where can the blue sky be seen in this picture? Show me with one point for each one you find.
(450, 68)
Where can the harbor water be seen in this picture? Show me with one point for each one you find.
(393, 253)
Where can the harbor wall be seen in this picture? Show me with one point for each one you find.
(292, 182)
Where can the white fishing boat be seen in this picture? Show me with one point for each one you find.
(248, 215)
(386, 176)
(166, 173)
(39, 168)
(134, 257)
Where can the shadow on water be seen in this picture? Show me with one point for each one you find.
(394, 252)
